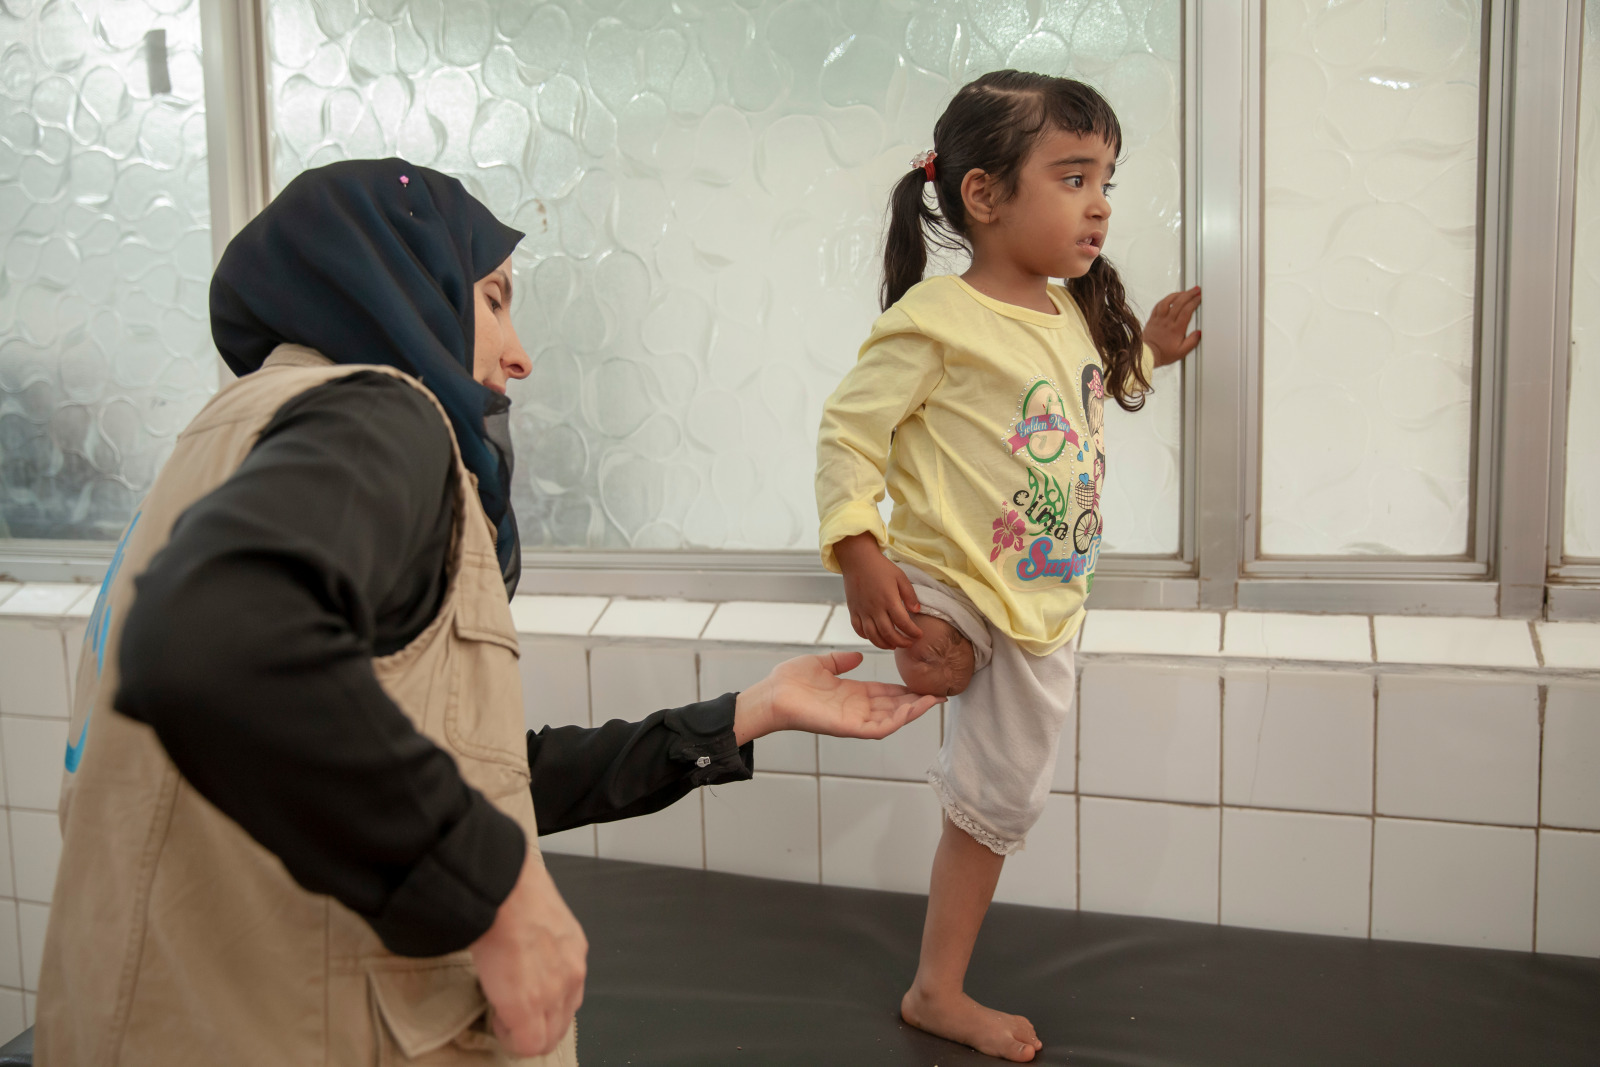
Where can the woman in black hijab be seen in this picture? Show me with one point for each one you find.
(328, 546)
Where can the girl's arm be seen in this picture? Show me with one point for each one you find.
(898, 368)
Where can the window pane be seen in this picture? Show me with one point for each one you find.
(703, 188)
(1582, 534)
(105, 351)
(1371, 114)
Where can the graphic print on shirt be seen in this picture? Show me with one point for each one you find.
(1046, 519)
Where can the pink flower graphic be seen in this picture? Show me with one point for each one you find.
(1008, 533)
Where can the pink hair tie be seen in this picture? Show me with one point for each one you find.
(925, 161)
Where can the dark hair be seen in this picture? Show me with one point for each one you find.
(991, 125)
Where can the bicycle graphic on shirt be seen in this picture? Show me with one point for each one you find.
(1086, 494)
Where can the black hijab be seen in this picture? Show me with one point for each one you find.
(373, 261)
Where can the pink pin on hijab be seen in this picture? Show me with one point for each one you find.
(404, 180)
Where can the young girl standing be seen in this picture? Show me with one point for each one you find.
(977, 401)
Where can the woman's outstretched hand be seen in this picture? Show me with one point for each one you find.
(806, 693)
(1167, 332)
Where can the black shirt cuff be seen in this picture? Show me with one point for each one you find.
(704, 737)
(452, 895)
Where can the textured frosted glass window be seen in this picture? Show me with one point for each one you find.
(1582, 535)
(105, 352)
(1369, 263)
(703, 187)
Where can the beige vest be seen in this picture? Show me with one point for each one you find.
(174, 937)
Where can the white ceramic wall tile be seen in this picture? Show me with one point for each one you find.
(1452, 884)
(630, 683)
(766, 827)
(570, 615)
(1569, 893)
(1153, 733)
(839, 633)
(1459, 642)
(36, 852)
(1044, 873)
(30, 1007)
(1138, 858)
(1156, 633)
(879, 835)
(733, 670)
(1458, 750)
(1569, 644)
(7, 885)
(73, 636)
(905, 754)
(1292, 871)
(1571, 772)
(12, 1021)
(672, 836)
(1297, 739)
(49, 599)
(577, 842)
(33, 670)
(10, 947)
(34, 750)
(83, 607)
(7, 589)
(767, 622)
(31, 922)
(555, 683)
(678, 619)
(1272, 635)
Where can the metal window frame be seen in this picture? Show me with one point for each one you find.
(1572, 589)
(1531, 64)
(1389, 583)
(1539, 222)
(1561, 565)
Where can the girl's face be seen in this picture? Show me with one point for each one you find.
(1055, 224)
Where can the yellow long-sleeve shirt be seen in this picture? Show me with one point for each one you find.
(984, 421)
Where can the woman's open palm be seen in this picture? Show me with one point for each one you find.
(806, 693)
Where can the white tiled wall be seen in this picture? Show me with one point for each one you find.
(1336, 775)
(41, 629)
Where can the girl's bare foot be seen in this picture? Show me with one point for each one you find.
(960, 1018)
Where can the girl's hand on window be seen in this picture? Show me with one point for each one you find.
(878, 593)
(1167, 331)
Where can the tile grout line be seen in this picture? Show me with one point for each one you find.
(604, 608)
(1077, 780)
(827, 617)
(1538, 645)
(818, 777)
(1372, 819)
(1222, 711)
(1372, 636)
(1538, 832)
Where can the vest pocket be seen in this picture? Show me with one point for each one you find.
(430, 1012)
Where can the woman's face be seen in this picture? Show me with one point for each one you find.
(497, 355)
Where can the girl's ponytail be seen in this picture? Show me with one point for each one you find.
(905, 250)
(1115, 330)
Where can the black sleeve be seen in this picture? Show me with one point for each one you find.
(623, 769)
(249, 650)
